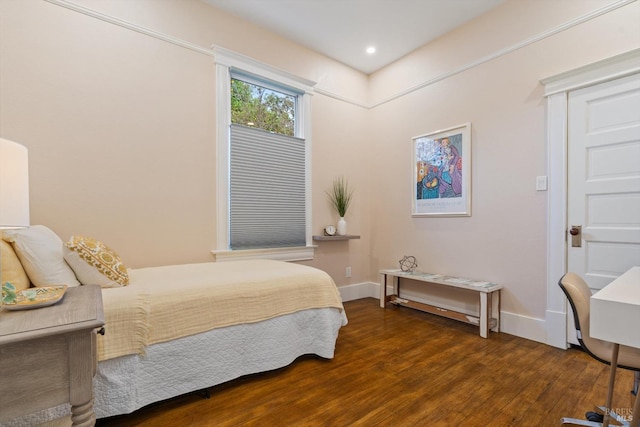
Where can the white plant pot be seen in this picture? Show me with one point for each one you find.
(342, 227)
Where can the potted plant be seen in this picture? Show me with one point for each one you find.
(340, 197)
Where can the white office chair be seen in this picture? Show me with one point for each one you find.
(579, 294)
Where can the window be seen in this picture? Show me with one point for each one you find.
(253, 104)
(263, 161)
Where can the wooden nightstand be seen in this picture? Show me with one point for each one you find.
(48, 356)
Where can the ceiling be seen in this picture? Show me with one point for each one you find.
(343, 29)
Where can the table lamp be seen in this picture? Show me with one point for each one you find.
(14, 187)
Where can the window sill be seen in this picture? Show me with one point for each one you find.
(301, 253)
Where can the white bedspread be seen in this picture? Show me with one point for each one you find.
(170, 302)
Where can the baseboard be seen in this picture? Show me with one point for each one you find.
(557, 327)
(359, 291)
(511, 323)
(523, 326)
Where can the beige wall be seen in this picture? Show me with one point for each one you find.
(505, 238)
(121, 125)
(121, 131)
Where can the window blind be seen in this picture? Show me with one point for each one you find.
(267, 189)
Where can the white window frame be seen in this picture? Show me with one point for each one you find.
(226, 61)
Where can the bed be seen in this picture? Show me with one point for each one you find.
(176, 329)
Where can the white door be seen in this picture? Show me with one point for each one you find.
(604, 180)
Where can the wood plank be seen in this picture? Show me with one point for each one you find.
(432, 309)
(448, 281)
(329, 238)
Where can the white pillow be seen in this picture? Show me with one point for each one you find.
(95, 263)
(40, 252)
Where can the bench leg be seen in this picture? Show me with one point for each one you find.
(484, 315)
(497, 328)
(383, 290)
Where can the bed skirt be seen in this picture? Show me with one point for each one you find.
(125, 384)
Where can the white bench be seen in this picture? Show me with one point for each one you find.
(488, 317)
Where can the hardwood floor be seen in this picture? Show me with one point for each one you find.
(401, 367)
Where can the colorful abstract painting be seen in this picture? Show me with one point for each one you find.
(442, 173)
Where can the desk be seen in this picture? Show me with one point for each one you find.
(48, 356)
(615, 317)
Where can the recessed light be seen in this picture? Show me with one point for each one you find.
(371, 50)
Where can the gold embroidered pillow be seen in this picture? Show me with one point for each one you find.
(95, 263)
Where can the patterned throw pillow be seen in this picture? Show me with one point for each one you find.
(95, 263)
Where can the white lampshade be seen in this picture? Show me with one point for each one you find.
(14, 185)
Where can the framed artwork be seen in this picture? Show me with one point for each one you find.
(442, 173)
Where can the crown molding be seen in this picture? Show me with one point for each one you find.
(607, 69)
(497, 54)
(130, 26)
(551, 84)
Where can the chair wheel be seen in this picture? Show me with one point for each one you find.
(594, 416)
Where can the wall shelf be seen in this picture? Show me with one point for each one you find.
(347, 237)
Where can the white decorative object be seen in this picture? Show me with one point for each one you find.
(342, 227)
(408, 263)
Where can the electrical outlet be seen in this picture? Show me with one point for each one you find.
(347, 272)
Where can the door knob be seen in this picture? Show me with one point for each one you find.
(576, 236)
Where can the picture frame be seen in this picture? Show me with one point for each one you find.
(441, 178)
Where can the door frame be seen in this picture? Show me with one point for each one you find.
(557, 90)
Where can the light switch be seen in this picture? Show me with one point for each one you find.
(541, 183)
